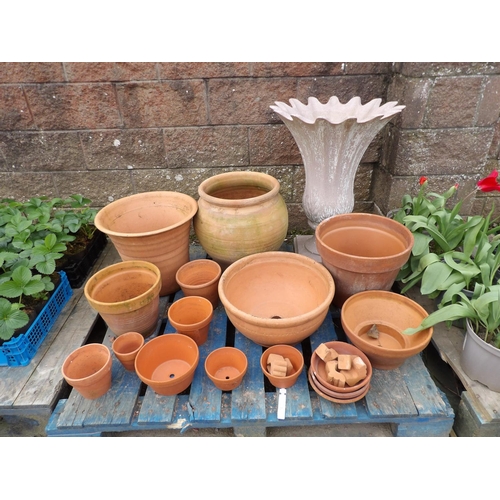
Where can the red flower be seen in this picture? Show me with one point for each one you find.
(423, 180)
(489, 183)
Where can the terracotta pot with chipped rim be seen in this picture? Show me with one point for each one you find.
(295, 357)
(192, 316)
(152, 226)
(167, 363)
(88, 370)
(125, 348)
(126, 295)
(240, 213)
(362, 252)
(276, 297)
(200, 277)
(226, 367)
(318, 369)
(392, 313)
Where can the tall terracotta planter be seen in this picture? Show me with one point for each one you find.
(126, 295)
(153, 227)
(362, 252)
(239, 214)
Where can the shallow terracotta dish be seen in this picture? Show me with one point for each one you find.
(276, 297)
(333, 399)
(392, 313)
(167, 363)
(226, 367)
(295, 357)
(336, 394)
(318, 367)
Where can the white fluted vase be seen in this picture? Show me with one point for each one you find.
(332, 139)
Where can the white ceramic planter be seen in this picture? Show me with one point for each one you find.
(480, 360)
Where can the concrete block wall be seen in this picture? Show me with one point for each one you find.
(108, 130)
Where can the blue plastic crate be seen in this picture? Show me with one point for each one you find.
(20, 350)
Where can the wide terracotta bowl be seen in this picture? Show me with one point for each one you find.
(276, 297)
(167, 363)
(226, 367)
(295, 357)
(319, 370)
(392, 313)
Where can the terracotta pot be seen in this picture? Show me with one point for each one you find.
(480, 360)
(154, 227)
(239, 214)
(126, 295)
(295, 357)
(126, 346)
(191, 316)
(201, 278)
(362, 252)
(391, 313)
(226, 367)
(336, 394)
(88, 370)
(167, 363)
(319, 370)
(276, 297)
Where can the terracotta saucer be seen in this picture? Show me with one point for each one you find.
(335, 400)
(335, 394)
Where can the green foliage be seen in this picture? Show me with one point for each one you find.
(33, 236)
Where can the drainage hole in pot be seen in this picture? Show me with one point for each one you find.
(275, 317)
(172, 375)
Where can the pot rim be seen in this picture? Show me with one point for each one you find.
(278, 323)
(75, 353)
(223, 349)
(258, 179)
(173, 195)
(470, 330)
(191, 326)
(138, 300)
(395, 227)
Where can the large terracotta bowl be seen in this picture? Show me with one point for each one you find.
(276, 297)
(391, 313)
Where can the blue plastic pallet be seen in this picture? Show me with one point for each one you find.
(406, 398)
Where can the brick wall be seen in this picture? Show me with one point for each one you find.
(108, 130)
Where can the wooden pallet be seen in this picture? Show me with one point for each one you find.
(405, 398)
(479, 408)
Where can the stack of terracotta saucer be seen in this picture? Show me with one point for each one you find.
(348, 394)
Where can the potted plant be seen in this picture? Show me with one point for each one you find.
(478, 306)
(449, 249)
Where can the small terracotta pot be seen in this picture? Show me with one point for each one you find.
(226, 367)
(201, 278)
(392, 313)
(295, 357)
(88, 370)
(362, 252)
(126, 295)
(126, 347)
(191, 316)
(167, 363)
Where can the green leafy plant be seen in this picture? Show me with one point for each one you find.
(11, 318)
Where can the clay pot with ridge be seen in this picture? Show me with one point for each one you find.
(126, 295)
(276, 297)
(226, 367)
(126, 346)
(200, 277)
(167, 363)
(374, 321)
(191, 316)
(362, 252)
(152, 226)
(240, 213)
(88, 370)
